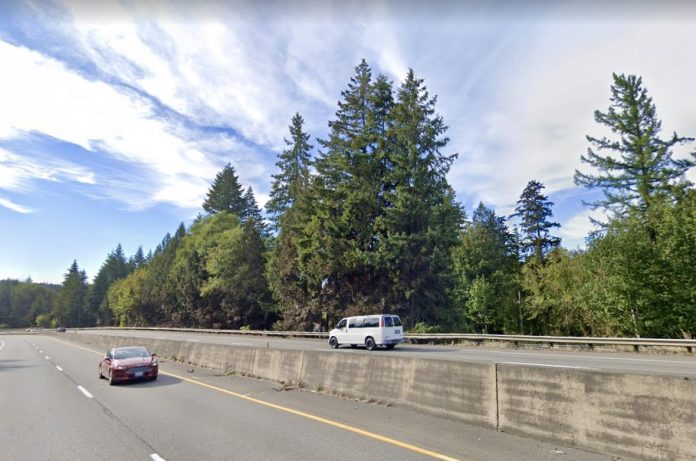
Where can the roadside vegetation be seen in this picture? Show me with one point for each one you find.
(365, 221)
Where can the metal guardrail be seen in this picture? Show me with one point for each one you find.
(455, 338)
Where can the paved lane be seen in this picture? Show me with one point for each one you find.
(680, 365)
(192, 414)
(44, 415)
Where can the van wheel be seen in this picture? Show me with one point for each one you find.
(390, 346)
(333, 342)
(370, 344)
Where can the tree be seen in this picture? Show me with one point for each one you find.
(639, 168)
(294, 175)
(486, 266)
(70, 307)
(534, 210)
(421, 222)
(115, 267)
(225, 194)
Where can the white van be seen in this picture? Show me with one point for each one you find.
(370, 330)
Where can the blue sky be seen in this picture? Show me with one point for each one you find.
(116, 116)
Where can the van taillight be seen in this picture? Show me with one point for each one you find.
(381, 322)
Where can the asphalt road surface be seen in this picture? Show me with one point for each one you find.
(53, 406)
(663, 364)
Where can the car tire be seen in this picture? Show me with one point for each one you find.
(111, 379)
(154, 378)
(333, 342)
(370, 343)
(390, 346)
(101, 376)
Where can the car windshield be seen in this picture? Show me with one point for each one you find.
(121, 354)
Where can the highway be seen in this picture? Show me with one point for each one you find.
(663, 364)
(53, 406)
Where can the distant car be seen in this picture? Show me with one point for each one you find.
(61, 329)
(128, 363)
(369, 330)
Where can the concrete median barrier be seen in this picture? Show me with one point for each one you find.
(648, 417)
(642, 416)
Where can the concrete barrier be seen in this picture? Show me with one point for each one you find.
(649, 417)
(643, 416)
(465, 391)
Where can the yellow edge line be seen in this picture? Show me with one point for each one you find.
(319, 419)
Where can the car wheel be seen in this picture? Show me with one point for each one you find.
(101, 376)
(390, 346)
(333, 342)
(154, 378)
(111, 378)
(370, 344)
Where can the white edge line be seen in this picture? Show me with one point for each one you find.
(549, 366)
(156, 457)
(84, 391)
(48, 358)
(59, 368)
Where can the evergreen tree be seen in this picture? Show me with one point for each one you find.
(71, 301)
(422, 219)
(638, 169)
(115, 267)
(294, 176)
(338, 247)
(138, 260)
(225, 194)
(486, 264)
(534, 210)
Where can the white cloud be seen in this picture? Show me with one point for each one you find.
(7, 203)
(17, 172)
(577, 228)
(547, 87)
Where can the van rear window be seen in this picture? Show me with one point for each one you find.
(397, 321)
(388, 322)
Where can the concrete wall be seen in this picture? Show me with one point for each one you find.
(643, 416)
(647, 417)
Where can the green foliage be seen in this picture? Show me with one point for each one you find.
(424, 328)
(486, 267)
(22, 302)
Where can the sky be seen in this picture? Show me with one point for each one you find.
(115, 116)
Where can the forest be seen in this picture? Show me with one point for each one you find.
(365, 221)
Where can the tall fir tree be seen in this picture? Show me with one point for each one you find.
(638, 168)
(422, 219)
(294, 175)
(534, 210)
(115, 267)
(71, 301)
(225, 194)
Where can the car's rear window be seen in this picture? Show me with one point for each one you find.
(130, 353)
(397, 321)
(388, 322)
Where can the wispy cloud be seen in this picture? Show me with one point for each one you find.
(6, 203)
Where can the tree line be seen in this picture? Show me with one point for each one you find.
(365, 221)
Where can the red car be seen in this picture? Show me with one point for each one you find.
(128, 363)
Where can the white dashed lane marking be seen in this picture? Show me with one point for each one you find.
(85, 392)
